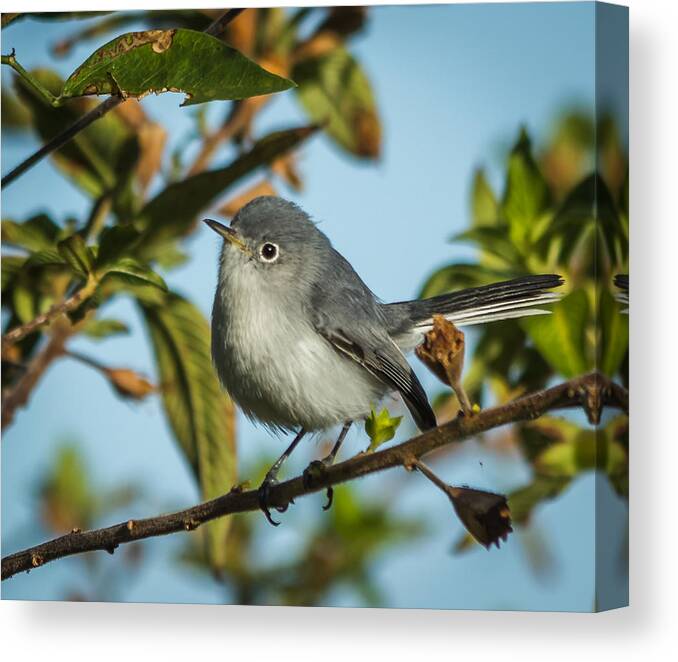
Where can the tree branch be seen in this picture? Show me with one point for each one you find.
(61, 139)
(586, 391)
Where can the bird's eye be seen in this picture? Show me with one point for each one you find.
(269, 252)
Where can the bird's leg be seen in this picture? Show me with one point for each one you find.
(314, 470)
(271, 479)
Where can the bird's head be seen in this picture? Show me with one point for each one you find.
(273, 238)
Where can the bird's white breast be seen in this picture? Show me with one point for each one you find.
(275, 365)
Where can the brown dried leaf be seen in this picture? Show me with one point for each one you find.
(241, 34)
(286, 168)
(129, 384)
(230, 208)
(318, 45)
(152, 139)
(131, 112)
(442, 352)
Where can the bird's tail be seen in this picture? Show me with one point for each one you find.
(622, 282)
(519, 297)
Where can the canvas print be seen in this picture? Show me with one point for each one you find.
(320, 306)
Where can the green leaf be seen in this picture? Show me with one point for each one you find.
(172, 212)
(37, 233)
(78, 255)
(199, 413)
(495, 242)
(68, 498)
(381, 428)
(484, 206)
(114, 242)
(130, 268)
(527, 195)
(46, 258)
(614, 334)
(11, 265)
(100, 329)
(24, 302)
(561, 336)
(335, 92)
(138, 63)
(589, 204)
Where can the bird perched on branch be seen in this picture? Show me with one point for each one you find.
(302, 344)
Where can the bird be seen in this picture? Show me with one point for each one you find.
(301, 343)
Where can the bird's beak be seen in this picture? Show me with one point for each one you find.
(229, 234)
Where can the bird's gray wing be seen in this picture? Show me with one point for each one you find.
(351, 324)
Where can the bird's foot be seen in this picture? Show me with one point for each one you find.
(263, 495)
(315, 472)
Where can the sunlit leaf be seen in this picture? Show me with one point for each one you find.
(495, 241)
(199, 413)
(138, 63)
(100, 329)
(37, 233)
(484, 206)
(67, 497)
(614, 334)
(560, 336)
(381, 427)
(527, 195)
(335, 92)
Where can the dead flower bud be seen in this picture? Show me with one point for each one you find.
(442, 352)
(129, 384)
(485, 515)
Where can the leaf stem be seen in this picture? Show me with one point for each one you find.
(11, 61)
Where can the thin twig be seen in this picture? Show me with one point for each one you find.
(57, 310)
(113, 101)
(219, 25)
(61, 139)
(574, 393)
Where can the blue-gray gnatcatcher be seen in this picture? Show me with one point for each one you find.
(301, 343)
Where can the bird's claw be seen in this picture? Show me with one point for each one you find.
(314, 472)
(263, 494)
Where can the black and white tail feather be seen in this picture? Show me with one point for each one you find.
(622, 282)
(519, 297)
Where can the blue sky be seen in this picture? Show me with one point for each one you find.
(454, 84)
